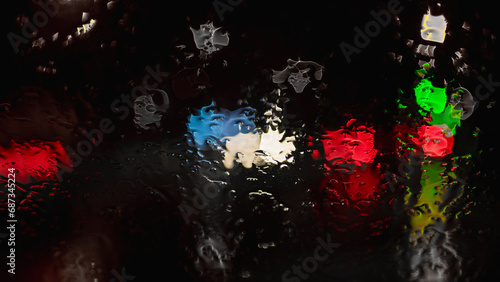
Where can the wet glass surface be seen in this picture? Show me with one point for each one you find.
(249, 141)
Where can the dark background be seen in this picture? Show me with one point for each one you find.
(121, 195)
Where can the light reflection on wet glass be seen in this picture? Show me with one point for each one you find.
(153, 142)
